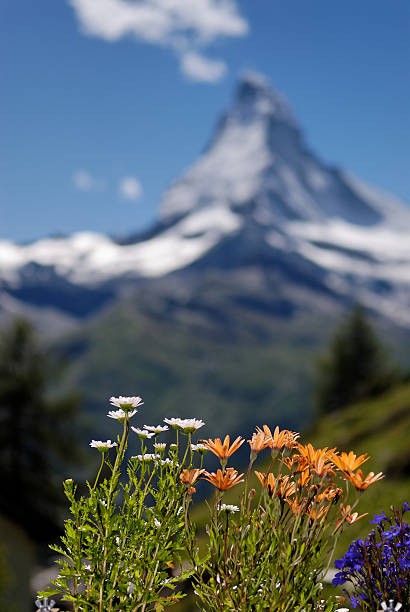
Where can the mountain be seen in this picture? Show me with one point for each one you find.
(257, 196)
(258, 249)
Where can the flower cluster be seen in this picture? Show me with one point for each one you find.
(378, 566)
(300, 510)
(267, 551)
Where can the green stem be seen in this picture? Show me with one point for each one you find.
(99, 471)
(113, 484)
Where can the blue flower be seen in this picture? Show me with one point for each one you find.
(406, 507)
(339, 579)
(378, 518)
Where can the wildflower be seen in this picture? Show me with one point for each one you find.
(258, 442)
(120, 415)
(156, 429)
(157, 523)
(304, 477)
(185, 425)
(279, 439)
(159, 446)
(173, 446)
(378, 518)
(281, 486)
(146, 458)
(188, 477)
(329, 494)
(319, 460)
(348, 462)
(347, 516)
(224, 481)
(126, 403)
(296, 507)
(166, 461)
(199, 448)
(228, 508)
(45, 605)
(223, 450)
(143, 434)
(389, 607)
(103, 447)
(317, 513)
(360, 483)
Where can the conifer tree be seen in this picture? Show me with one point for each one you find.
(37, 432)
(355, 367)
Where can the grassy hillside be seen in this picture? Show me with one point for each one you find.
(232, 374)
(381, 427)
(225, 362)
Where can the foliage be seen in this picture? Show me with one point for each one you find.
(125, 537)
(355, 367)
(378, 567)
(34, 445)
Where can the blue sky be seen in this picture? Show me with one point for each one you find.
(106, 101)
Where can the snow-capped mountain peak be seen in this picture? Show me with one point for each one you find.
(256, 97)
(257, 159)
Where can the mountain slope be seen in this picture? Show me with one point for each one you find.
(380, 427)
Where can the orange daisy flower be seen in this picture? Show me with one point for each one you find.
(284, 487)
(296, 507)
(317, 513)
(329, 495)
(304, 477)
(259, 442)
(188, 477)
(360, 483)
(348, 462)
(279, 439)
(348, 516)
(319, 460)
(224, 480)
(222, 449)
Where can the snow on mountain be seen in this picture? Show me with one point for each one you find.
(256, 181)
(90, 258)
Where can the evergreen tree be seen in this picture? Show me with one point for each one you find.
(37, 434)
(355, 366)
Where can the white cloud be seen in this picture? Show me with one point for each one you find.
(199, 68)
(83, 181)
(185, 26)
(130, 188)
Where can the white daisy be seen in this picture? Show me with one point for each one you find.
(126, 402)
(120, 415)
(173, 446)
(157, 523)
(103, 447)
(185, 425)
(146, 457)
(228, 508)
(142, 433)
(156, 428)
(159, 446)
(167, 461)
(199, 448)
